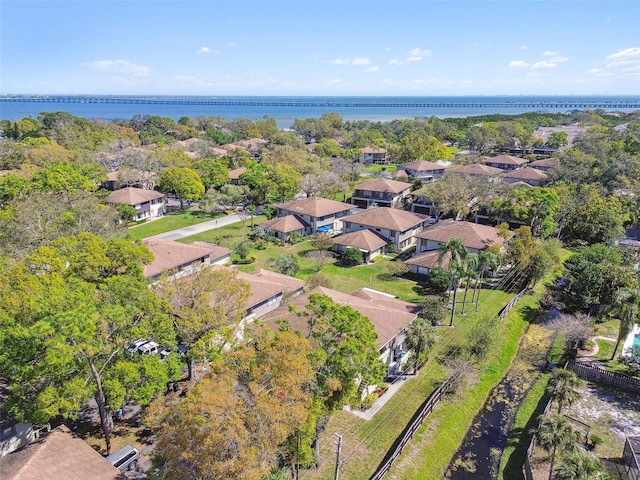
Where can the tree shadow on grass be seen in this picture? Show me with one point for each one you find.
(521, 439)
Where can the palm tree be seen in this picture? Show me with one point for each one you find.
(581, 467)
(563, 387)
(485, 260)
(458, 253)
(470, 268)
(420, 337)
(555, 435)
(628, 300)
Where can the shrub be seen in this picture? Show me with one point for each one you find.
(368, 401)
(242, 250)
(321, 241)
(351, 257)
(438, 280)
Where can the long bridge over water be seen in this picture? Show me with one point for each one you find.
(541, 105)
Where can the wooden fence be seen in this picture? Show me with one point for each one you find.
(426, 409)
(410, 429)
(599, 375)
(526, 469)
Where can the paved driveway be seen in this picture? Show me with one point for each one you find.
(199, 228)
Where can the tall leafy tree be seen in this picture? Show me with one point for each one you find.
(555, 435)
(563, 387)
(486, 260)
(420, 337)
(457, 253)
(628, 300)
(185, 183)
(68, 309)
(232, 423)
(580, 466)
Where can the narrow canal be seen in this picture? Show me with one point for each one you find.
(478, 457)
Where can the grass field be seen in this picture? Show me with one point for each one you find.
(170, 222)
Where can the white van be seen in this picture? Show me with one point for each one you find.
(125, 459)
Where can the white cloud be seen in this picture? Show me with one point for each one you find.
(598, 72)
(206, 50)
(413, 59)
(524, 47)
(231, 45)
(372, 69)
(352, 61)
(184, 77)
(548, 53)
(395, 62)
(627, 52)
(518, 64)
(335, 81)
(543, 64)
(120, 66)
(416, 52)
(559, 59)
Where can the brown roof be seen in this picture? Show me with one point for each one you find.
(473, 235)
(315, 206)
(373, 150)
(429, 260)
(387, 314)
(365, 240)
(219, 151)
(478, 169)
(399, 174)
(235, 174)
(385, 217)
(286, 224)
(527, 174)
(57, 455)
(520, 183)
(265, 284)
(507, 160)
(169, 254)
(547, 162)
(133, 196)
(383, 185)
(421, 166)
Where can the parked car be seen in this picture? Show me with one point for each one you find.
(125, 459)
(149, 348)
(133, 346)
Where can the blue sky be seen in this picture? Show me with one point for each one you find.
(330, 47)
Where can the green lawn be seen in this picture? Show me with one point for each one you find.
(605, 350)
(170, 222)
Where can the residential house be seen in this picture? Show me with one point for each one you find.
(284, 227)
(58, 454)
(505, 162)
(545, 165)
(321, 214)
(399, 227)
(423, 170)
(390, 318)
(474, 236)
(130, 177)
(175, 258)
(370, 243)
(148, 203)
(380, 192)
(234, 175)
(532, 176)
(14, 434)
(479, 170)
(373, 155)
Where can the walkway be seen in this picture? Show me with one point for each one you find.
(199, 227)
(382, 399)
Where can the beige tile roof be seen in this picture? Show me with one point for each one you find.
(219, 151)
(478, 169)
(473, 235)
(133, 196)
(399, 174)
(520, 184)
(506, 160)
(421, 166)
(547, 162)
(387, 314)
(169, 254)
(429, 260)
(373, 150)
(265, 284)
(287, 224)
(235, 173)
(365, 240)
(383, 185)
(527, 174)
(58, 455)
(385, 217)
(315, 206)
